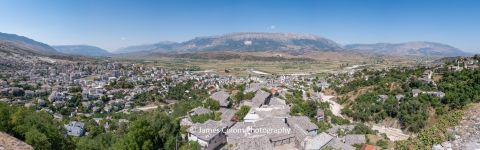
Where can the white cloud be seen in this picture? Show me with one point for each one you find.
(272, 27)
(123, 38)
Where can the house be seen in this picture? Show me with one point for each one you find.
(382, 98)
(58, 104)
(438, 94)
(338, 144)
(320, 115)
(253, 87)
(75, 128)
(334, 129)
(415, 92)
(41, 103)
(399, 97)
(352, 139)
(56, 96)
(367, 147)
(199, 111)
(261, 98)
(209, 135)
(316, 142)
(186, 122)
(4, 91)
(252, 143)
(222, 97)
(16, 91)
(323, 84)
(227, 114)
(29, 93)
(304, 124)
(427, 74)
(243, 130)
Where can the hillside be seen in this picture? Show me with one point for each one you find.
(84, 50)
(409, 49)
(158, 47)
(26, 44)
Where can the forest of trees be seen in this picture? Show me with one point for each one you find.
(35, 128)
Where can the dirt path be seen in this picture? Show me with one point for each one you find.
(393, 134)
(147, 108)
(334, 106)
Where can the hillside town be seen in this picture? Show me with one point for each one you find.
(257, 111)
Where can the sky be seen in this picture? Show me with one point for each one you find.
(112, 24)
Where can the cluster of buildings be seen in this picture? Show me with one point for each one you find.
(267, 125)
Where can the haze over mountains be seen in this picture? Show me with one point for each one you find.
(237, 42)
(85, 50)
(409, 49)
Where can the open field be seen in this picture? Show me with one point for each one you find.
(242, 68)
(243, 64)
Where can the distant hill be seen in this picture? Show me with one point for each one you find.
(157, 47)
(24, 44)
(409, 49)
(243, 42)
(84, 50)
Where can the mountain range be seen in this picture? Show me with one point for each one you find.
(84, 50)
(294, 43)
(21, 44)
(243, 42)
(408, 49)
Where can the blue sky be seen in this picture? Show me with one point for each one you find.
(111, 24)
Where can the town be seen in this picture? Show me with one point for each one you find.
(213, 111)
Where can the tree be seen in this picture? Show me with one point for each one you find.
(191, 145)
(413, 115)
(39, 140)
(36, 128)
(391, 107)
(212, 104)
(240, 114)
(153, 131)
(362, 129)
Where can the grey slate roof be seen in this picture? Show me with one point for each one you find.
(303, 122)
(199, 111)
(250, 128)
(221, 97)
(260, 98)
(75, 128)
(227, 114)
(337, 144)
(352, 139)
(253, 143)
(317, 142)
(334, 129)
(205, 130)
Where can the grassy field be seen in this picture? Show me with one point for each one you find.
(318, 63)
(243, 68)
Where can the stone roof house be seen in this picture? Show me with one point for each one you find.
(75, 128)
(222, 97)
(261, 98)
(209, 135)
(199, 111)
(316, 142)
(352, 139)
